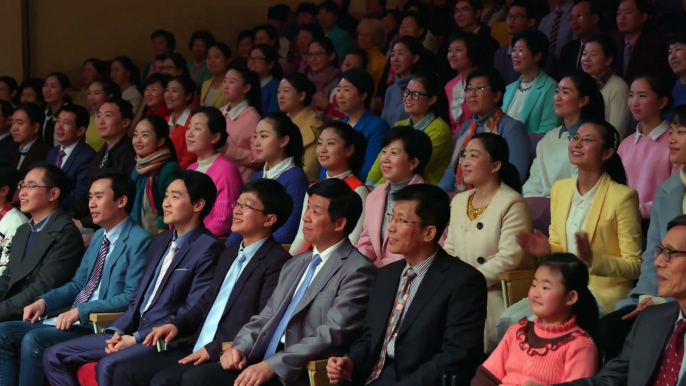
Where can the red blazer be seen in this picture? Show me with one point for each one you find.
(178, 137)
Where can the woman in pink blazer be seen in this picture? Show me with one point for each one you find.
(403, 158)
(463, 56)
(206, 134)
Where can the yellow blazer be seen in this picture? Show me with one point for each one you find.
(218, 100)
(310, 127)
(614, 230)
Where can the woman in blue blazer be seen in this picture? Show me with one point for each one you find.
(530, 99)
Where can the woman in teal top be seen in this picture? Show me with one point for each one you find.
(156, 165)
(199, 45)
(530, 98)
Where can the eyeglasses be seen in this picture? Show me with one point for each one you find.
(412, 95)
(516, 16)
(315, 54)
(240, 206)
(463, 10)
(666, 253)
(584, 139)
(391, 219)
(29, 187)
(477, 88)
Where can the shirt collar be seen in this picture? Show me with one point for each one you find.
(588, 197)
(264, 82)
(654, 135)
(182, 239)
(421, 268)
(632, 42)
(251, 249)
(183, 119)
(114, 233)
(481, 121)
(566, 7)
(341, 176)
(37, 227)
(25, 149)
(277, 170)
(234, 112)
(571, 129)
(423, 123)
(67, 150)
(325, 254)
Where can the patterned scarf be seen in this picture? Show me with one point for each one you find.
(150, 167)
(490, 126)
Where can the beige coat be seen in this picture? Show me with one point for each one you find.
(488, 243)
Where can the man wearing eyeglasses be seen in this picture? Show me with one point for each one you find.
(653, 353)
(585, 21)
(47, 250)
(245, 278)
(520, 16)
(427, 311)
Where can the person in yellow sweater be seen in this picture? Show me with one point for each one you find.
(371, 36)
(426, 103)
(594, 216)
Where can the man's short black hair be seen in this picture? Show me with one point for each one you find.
(433, 205)
(7, 109)
(9, 176)
(307, 7)
(274, 198)
(331, 7)
(200, 187)
(33, 112)
(82, 118)
(343, 201)
(124, 106)
(168, 37)
(677, 221)
(54, 177)
(121, 184)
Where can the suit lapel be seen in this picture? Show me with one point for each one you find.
(565, 203)
(664, 328)
(597, 206)
(149, 276)
(507, 99)
(70, 161)
(377, 212)
(430, 284)
(531, 99)
(117, 252)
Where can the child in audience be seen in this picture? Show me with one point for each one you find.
(645, 153)
(98, 92)
(340, 150)
(156, 164)
(295, 99)
(558, 346)
(355, 58)
(277, 142)
(325, 74)
(199, 44)
(354, 97)
(179, 97)
(463, 56)
(206, 134)
(31, 91)
(218, 59)
(242, 113)
(126, 75)
(404, 63)
(263, 61)
(425, 102)
(56, 95)
(153, 96)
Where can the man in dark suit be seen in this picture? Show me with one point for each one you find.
(180, 266)
(113, 121)
(654, 350)
(468, 18)
(245, 278)
(640, 50)
(585, 22)
(7, 144)
(47, 250)
(317, 308)
(27, 122)
(72, 155)
(429, 310)
(109, 274)
(520, 16)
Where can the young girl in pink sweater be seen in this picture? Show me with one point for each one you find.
(557, 347)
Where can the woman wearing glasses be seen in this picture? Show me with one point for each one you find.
(485, 220)
(594, 216)
(404, 157)
(206, 134)
(325, 74)
(484, 94)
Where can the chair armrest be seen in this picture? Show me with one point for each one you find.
(515, 285)
(317, 372)
(516, 275)
(103, 320)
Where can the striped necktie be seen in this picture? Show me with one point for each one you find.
(163, 271)
(554, 31)
(96, 274)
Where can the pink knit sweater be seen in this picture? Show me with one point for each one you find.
(229, 184)
(549, 355)
(241, 133)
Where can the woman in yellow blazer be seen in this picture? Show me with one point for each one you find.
(484, 221)
(594, 216)
(218, 59)
(295, 99)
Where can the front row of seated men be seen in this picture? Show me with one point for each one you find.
(279, 312)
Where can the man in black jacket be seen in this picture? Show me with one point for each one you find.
(245, 278)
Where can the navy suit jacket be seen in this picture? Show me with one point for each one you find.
(120, 276)
(187, 278)
(76, 168)
(248, 296)
(7, 148)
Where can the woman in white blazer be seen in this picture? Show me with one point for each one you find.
(485, 219)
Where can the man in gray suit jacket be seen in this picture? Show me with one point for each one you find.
(317, 308)
(654, 350)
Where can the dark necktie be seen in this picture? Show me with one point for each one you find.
(96, 274)
(628, 48)
(554, 31)
(105, 158)
(60, 157)
(670, 364)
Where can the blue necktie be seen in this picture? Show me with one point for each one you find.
(276, 338)
(209, 329)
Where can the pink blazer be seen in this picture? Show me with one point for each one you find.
(371, 244)
(467, 114)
